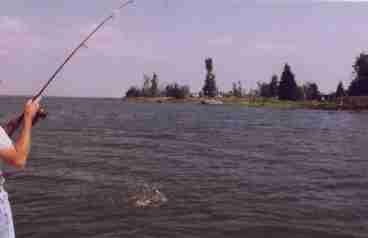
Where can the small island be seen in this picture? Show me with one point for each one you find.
(283, 94)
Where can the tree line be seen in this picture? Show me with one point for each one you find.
(150, 88)
(287, 88)
(284, 89)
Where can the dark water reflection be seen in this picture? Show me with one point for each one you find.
(227, 171)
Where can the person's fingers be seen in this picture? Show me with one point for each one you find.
(32, 107)
(38, 99)
(36, 103)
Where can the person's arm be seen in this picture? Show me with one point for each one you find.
(15, 123)
(17, 155)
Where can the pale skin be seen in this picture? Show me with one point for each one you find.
(17, 155)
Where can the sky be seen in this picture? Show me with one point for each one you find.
(249, 41)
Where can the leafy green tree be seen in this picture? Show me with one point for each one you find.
(177, 91)
(268, 90)
(154, 85)
(264, 89)
(274, 86)
(300, 95)
(146, 89)
(184, 91)
(234, 92)
(359, 85)
(288, 89)
(340, 91)
(237, 89)
(210, 88)
(133, 92)
(240, 89)
(311, 91)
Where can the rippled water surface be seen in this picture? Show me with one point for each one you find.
(226, 171)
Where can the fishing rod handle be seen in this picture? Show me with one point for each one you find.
(14, 124)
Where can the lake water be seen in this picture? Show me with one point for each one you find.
(227, 171)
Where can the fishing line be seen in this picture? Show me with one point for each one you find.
(144, 194)
(82, 44)
(14, 124)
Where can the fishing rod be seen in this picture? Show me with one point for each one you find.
(14, 124)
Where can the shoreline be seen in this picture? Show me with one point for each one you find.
(251, 102)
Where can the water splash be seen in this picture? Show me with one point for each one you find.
(147, 196)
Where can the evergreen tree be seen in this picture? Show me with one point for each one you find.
(340, 91)
(209, 88)
(359, 85)
(288, 89)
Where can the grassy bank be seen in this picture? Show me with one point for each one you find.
(273, 103)
(249, 102)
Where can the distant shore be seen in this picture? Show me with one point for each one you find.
(249, 102)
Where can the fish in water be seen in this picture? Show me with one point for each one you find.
(147, 197)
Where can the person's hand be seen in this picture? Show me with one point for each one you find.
(31, 109)
(41, 114)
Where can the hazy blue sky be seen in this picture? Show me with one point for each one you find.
(248, 40)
